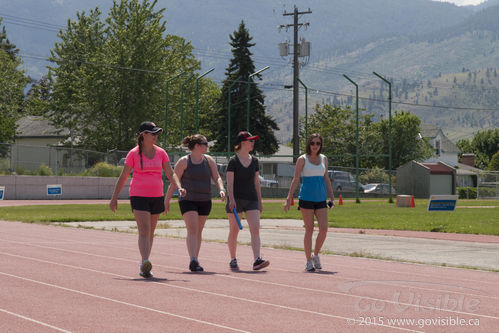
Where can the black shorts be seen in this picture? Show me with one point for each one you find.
(312, 204)
(202, 207)
(243, 205)
(153, 205)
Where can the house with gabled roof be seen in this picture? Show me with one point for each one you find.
(444, 149)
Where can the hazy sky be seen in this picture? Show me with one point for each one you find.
(464, 2)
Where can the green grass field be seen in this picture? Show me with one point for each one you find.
(369, 214)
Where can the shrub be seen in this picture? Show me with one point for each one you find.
(466, 192)
(103, 169)
(45, 170)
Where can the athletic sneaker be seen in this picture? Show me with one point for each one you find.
(310, 267)
(145, 266)
(233, 264)
(195, 267)
(260, 263)
(146, 275)
(317, 262)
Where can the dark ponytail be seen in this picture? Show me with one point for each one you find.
(140, 139)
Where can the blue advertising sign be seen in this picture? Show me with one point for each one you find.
(442, 203)
(54, 189)
(2, 192)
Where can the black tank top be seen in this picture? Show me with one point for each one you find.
(196, 180)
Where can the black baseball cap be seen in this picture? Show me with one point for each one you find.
(245, 136)
(149, 127)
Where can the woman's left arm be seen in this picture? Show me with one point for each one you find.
(329, 188)
(258, 190)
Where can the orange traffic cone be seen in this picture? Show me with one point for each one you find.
(340, 201)
(413, 204)
(292, 201)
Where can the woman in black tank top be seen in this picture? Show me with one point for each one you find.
(196, 170)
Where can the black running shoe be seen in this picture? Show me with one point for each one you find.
(233, 264)
(195, 267)
(260, 263)
(146, 275)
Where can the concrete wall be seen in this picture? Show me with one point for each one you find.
(35, 187)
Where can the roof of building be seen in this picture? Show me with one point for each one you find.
(431, 131)
(439, 168)
(38, 127)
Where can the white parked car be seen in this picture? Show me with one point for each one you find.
(267, 182)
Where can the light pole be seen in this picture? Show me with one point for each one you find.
(197, 98)
(390, 200)
(166, 105)
(228, 113)
(182, 105)
(306, 108)
(248, 93)
(356, 138)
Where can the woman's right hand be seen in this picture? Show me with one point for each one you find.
(287, 204)
(232, 205)
(113, 205)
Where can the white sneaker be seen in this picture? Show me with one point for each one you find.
(317, 262)
(309, 267)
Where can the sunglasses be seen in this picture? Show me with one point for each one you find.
(203, 143)
(155, 134)
(313, 143)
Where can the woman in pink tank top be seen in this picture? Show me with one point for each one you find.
(147, 160)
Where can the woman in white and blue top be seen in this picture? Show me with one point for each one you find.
(312, 167)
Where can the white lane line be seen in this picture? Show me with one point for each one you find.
(34, 321)
(118, 301)
(241, 298)
(412, 274)
(417, 306)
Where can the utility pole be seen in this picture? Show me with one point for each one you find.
(296, 73)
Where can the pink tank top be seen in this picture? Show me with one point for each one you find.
(146, 180)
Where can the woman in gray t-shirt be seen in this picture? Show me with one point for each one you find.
(195, 170)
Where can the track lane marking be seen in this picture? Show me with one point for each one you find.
(273, 283)
(34, 320)
(256, 301)
(115, 300)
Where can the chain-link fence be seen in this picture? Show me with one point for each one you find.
(488, 185)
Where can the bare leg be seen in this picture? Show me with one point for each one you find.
(201, 222)
(321, 215)
(143, 219)
(253, 219)
(308, 220)
(233, 232)
(154, 222)
(191, 222)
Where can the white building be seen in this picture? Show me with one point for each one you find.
(444, 149)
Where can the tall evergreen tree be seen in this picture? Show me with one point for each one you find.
(6, 45)
(241, 66)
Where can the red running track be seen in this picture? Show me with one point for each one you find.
(76, 280)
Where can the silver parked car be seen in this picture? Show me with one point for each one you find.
(378, 188)
(343, 181)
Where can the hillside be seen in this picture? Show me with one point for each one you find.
(406, 41)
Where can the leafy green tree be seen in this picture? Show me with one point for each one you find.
(337, 126)
(494, 162)
(12, 83)
(484, 145)
(406, 142)
(108, 76)
(241, 66)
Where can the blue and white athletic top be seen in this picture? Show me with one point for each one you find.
(313, 187)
